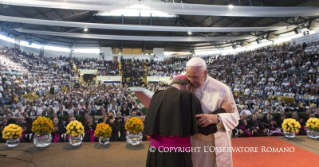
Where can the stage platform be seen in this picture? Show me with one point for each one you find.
(116, 154)
(121, 154)
(304, 152)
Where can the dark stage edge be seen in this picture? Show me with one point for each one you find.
(116, 154)
(304, 142)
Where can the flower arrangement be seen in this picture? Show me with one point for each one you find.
(290, 125)
(74, 128)
(42, 125)
(103, 130)
(12, 131)
(312, 124)
(134, 125)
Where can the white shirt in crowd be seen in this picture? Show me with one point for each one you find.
(39, 109)
(248, 112)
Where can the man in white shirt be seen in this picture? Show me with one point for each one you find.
(246, 111)
(39, 108)
(211, 93)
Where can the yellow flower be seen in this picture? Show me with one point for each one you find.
(102, 129)
(74, 134)
(307, 124)
(42, 125)
(75, 128)
(134, 125)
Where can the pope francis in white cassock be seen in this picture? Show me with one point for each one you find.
(211, 94)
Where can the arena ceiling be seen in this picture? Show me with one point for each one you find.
(88, 16)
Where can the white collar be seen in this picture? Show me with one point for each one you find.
(176, 87)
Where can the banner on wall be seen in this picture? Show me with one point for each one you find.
(306, 38)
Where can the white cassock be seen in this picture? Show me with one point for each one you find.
(211, 99)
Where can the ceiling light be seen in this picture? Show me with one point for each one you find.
(85, 29)
(230, 6)
(189, 33)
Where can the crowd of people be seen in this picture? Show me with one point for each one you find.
(113, 104)
(157, 86)
(256, 76)
(23, 73)
(170, 67)
(256, 121)
(104, 67)
(133, 72)
(283, 70)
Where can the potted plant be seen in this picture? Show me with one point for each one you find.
(134, 127)
(312, 126)
(12, 133)
(42, 127)
(290, 126)
(103, 131)
(75, 130)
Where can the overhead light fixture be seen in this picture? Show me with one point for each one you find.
(189, 33)
(85, 29)
(230, 6)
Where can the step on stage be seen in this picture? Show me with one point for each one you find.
(120, 154)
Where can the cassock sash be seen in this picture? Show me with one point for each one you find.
(173, 141)
(273, 130)
(56, 137)
(91, 133)
(304, 128)
(22, 137)
(242, 127)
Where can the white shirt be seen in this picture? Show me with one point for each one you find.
(70, 111)
(110, 107)
(39, 110)
(16, 113)
(248, 112)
